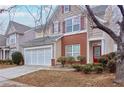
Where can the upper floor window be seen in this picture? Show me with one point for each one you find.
(56, 27)
(76, 23)
(68, 25)
(12, 39)
(66, 8)
(72, 50)
(72, 24)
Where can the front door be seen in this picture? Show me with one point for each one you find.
(96, 53)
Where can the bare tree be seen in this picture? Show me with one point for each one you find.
(42, 17)
(118, 39)
(6, 9)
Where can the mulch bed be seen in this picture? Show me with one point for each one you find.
(2, 66)
(48, 78)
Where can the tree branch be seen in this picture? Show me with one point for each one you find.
(121, 9)
(8, 9)
(101, 26)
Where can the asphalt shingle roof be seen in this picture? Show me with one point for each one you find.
(41, 41)
(19, 28)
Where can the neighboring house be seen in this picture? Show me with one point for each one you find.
(16, 34)
(4, 51)
(69, 33)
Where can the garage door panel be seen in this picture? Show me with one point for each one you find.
(34, 57)
(27, 57)
(48, 56)
(41, 56)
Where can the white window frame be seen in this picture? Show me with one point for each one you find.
(76, 24)
(13, 36)
(66, 11)
(72, 50)
(72, 18)
(68, 25)
(56, 23)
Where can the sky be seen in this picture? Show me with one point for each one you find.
(21, 14)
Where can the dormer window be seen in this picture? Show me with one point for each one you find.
(66, 8)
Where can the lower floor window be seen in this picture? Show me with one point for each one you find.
(72, 50)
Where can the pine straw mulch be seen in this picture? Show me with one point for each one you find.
(49, 78)
(2, 66)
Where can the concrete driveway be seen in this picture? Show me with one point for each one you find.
(10, 73)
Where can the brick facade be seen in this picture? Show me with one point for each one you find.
(75, 39)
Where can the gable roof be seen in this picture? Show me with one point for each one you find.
(41, 41)
(19, 28)
(98, 10)
(38, 28)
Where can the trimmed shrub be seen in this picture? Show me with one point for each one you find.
(111, 66)
(87, 69)
(103, 60)
(97, 64)
(78, 67)
(81, 58)
(98, 69)
(9, 62)
(111, 55)
(17, 58)
(70, 59)
(62, 60)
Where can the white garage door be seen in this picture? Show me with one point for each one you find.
(40, 56)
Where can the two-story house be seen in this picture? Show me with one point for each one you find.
(16, 34)
(69, 33)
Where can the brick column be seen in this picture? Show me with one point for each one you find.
(53, 62)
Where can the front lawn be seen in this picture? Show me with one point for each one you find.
(51, 78)
(2, 66)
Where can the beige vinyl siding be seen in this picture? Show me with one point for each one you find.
(60, 17)
(58, 49)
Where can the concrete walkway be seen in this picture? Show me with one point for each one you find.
(10, 73)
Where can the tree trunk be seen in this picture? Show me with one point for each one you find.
(120, 60)
(120, 66)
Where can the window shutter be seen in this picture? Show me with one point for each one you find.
(52, 27)
(59, 27)
(82, 22)
(64, 27)
(62, 7)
